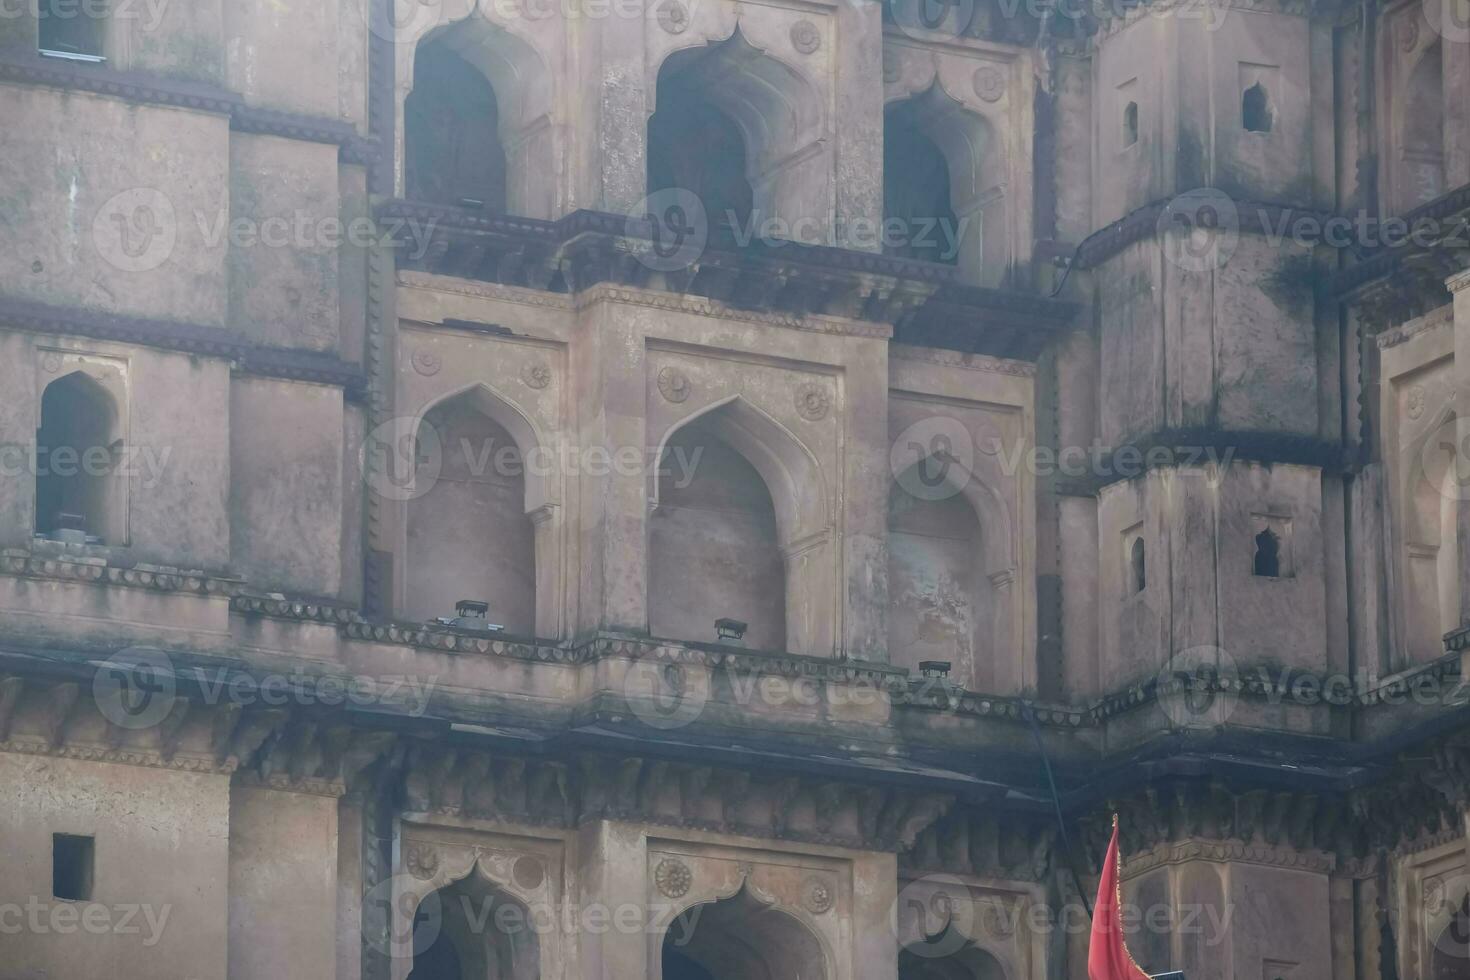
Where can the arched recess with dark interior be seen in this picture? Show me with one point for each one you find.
(477, 125)
(739, 531)
(741, 131)
(1266, 563)
(473, 533)
(1130, 124)
(741, 938)
(944, 178)
(936, 960)
(471, 930)
(1421, 171)
(80, 488)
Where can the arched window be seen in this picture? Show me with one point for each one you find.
(1137, 572)
(742, 132)
(916, 193)
(937, 591)
(943, 186)
(451, 133)
(469, 535)
(471, 930)
(80, 488)
(1255, 109)
(1130, 124)
(739, 938)
(714, 548)
(1267, 561)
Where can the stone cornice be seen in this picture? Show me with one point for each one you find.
(139, 87)
(805, 286)
(703, 306)
(1227, 852)
(960, 359)
(191, 338)
(1452, 210)
(156, 578)
(1458, 641)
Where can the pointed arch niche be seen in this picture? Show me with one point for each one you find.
(478, 524)
(740, 530)
(944, 177)
(476, 121)
(742, 131)
(949, 574)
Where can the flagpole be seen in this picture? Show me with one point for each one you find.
(1056, 802)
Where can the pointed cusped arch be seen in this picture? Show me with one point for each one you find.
(531, 445)
(744, 935)
(946, 175)
(790, 470)
(740, 528)
(753, 106)
(477, 102)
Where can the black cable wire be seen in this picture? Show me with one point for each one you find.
(1056, 801)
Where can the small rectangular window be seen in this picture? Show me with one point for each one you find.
(71, 867)
(73, 31)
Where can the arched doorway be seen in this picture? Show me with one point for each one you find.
(451, 133)
(470, 930)
(469, 535)
(740, 938)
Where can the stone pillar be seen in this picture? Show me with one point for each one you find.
(1456, 68)
(612, 871)
(1460, 286)
(859, 129)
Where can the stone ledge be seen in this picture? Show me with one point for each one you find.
(248, 358)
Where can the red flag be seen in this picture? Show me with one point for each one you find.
(1107, 955)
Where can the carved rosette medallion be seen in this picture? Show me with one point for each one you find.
(673, 17)
(51, 362)
(528, 872)
(536, 375)
(1408, 33)
(426, 362)
(805, 37)
(422, 861)
(1417, 397)
(812, 401)
(673, 877)
(816, 896)
(990, 83)
(674, 385)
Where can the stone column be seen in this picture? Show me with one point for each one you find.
(611, 871)
(1460, 286)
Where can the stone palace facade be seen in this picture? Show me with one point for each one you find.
(610, 489)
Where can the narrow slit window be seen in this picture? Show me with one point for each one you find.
(1268, 555)
(1130, 124)
(71, 867)
(1255, 109)
(1138, 573)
